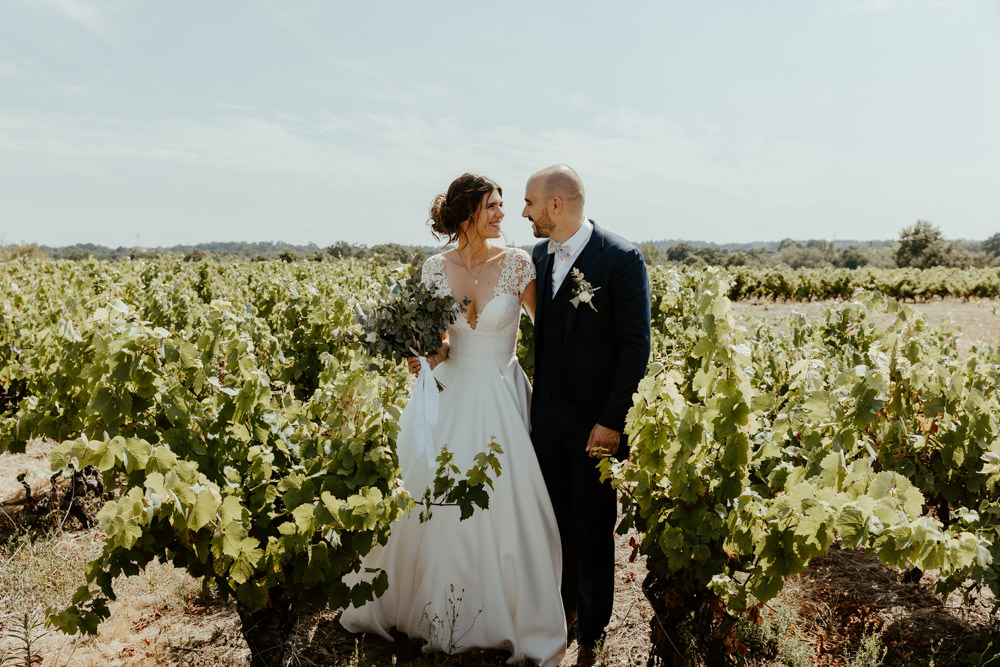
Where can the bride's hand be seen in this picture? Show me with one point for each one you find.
(432, 359)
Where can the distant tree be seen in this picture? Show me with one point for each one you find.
(9, 252)
(288, 255)
(710, 255)
(681, 253)
(390, 253)
(787, 243)
(800, 257)
(652, 253)
(880, 256)
(923, 245)
(737, 258)
(991, 246)
(824, 248)
(852, 257)
(342, 249)
(747, 257)
(195, 255)
(418, 256)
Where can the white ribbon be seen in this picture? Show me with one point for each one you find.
(425, 416)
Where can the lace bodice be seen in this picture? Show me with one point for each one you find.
(494, 337)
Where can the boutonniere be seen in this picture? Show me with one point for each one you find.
(584, 292)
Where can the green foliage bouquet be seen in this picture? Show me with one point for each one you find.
(409, 321)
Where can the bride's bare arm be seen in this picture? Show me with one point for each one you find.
(441, 354)
(528, 300)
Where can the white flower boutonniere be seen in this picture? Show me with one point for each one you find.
(584, 292)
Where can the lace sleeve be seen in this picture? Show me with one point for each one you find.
(520, 271)
(432, 274)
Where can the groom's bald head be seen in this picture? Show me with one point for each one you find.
(562, 181)
(553, 202)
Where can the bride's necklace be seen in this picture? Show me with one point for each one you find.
(470, 271)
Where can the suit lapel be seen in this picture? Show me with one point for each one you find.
(587, 263)
(546, 277)
(543, 292)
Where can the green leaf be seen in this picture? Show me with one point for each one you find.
(162, 460)
(364, 508)
(104, 454)
(893, 485)
(229, 541)
(138, 452)
(246, 562)
(62, 455)
(203, 511)
(232, 510)
(305, 519)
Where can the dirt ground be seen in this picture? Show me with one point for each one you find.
(846, 594)
(161, 617)
(34, 462)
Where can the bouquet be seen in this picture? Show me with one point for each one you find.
(409, 321)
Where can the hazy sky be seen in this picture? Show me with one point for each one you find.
(131, 122)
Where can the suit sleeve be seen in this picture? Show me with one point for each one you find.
(630, 312)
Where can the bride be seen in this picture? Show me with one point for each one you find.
(491, 581)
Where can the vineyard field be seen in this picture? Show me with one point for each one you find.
(244, 437)
(978, 320)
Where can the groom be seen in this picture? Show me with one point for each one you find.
(591, 349)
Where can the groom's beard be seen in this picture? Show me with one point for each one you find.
(542, 226)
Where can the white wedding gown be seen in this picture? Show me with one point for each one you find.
(491, 581)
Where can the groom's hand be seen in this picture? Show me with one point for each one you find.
(602, 442)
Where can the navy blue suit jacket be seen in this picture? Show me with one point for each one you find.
(589, 364)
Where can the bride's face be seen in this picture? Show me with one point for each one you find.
(486, 223)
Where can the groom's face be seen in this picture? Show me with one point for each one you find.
(535, 210)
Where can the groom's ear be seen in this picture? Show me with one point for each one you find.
(556, 204)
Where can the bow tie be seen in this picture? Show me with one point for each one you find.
(560, 250)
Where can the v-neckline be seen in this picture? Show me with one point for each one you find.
(479, 312)
(502, 256)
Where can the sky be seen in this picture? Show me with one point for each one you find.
(145, 123)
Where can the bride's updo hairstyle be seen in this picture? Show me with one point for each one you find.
(460, 204)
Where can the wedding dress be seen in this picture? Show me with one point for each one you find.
(492, 580)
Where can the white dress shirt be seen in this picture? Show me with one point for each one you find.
(575, 244)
